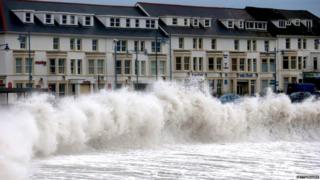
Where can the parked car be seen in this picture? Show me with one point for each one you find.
(301, 87)
(299, 96)
(229, 98)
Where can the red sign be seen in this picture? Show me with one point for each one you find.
(41, 62)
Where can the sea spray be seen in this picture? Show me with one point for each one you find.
(168, 113)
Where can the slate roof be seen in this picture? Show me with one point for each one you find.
(216, 13)
(267, 14)
(10, 22)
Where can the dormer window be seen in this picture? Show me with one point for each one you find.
(241, 24)
(195, 22)
(297, 22)
(174, 21)
(49, 19)
(230, 24)
(137, 23)
(309, 24)
(72, 19)
(28, 17)
(250, 25)
(288, 23)
(127, 22)
(115, 22)
(282, 24)
(64, 19)
(186, 22)
(87, 20)
(207, 22)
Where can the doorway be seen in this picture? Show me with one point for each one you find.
(243, 88)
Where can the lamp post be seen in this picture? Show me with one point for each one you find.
(161, 40)
(115, 41)
(22, 39)
(275, 83)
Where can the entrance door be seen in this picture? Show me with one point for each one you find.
(84, 88)
(243, 88)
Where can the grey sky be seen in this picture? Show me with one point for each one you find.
(311, 5)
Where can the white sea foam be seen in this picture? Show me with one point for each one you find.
(42, 125)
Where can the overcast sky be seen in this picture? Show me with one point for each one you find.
(311, 5)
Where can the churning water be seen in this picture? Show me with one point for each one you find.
(167, 132)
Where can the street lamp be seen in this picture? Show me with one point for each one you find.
(115, 41)
(275, 83)
(6, 46)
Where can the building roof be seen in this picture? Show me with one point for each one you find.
(216, 13)
(11, 23)
(267, 14)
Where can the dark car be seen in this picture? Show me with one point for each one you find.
(299, 96)
(228, 98)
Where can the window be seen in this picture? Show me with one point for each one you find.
(254, 45)
(266, 46)
(72, 66)
(178, 63)
(137, 23)
(23, 42)
(162, 67)
(264, 85)
(52, 66)
(287, 43)
(29, 65)
(195, 64)
(186, 63)
(174, 21)
(153, 67)
(293, 62)
(248, 45)
(234, 64)
(79, 67)
(264, 65)
(200, 63)
(285, 62)
(282, 24)
(230, 24)
(219, 64)
(94, 45)
(148, 23)
(181, 43)
(121, 46)
(242, 64)
(79, 45)
(213, 43)
(100, 66)
(28, 17)
(72, 44)
(128, 22)
(118, 66)
(200, 43)
(236, 44)
(299, 43)
(90, 66)
(304, 44)
(219, 87)
(241, 24)
(316, 44)
(156, 46)
(87, 20)
(62, 89)
(19, 85)
(56, 43)
(297, 22)
(207, 22)
(250, 25)
(211, 64)
(115, 22)
(153, 23)
(272, 65)
(254, 65)
(252, 86)
(195, 43)
(127, 66)
(309, 24)
(300, 63)
(315, 63)
(18, 65)
(186, 22)
(72, 20)
(61, 66)
(249, 65)
(136, 45)
(49, 19)
(142, 46)
(143, 68)
(64, 19)
(195, 22)
(305, 62)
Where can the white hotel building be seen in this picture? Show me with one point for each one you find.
(96, 46)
